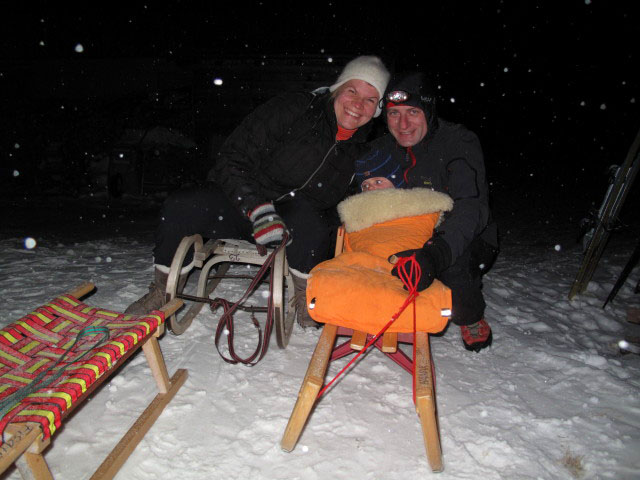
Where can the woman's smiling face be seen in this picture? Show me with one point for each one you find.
(355, 104)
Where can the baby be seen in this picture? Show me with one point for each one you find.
(373, 175)
(376, 183)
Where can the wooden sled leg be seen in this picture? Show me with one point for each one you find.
(311, 385)
(31, 464)
(168, 388)
(426, 402)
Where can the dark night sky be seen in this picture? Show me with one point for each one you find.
(548, 86)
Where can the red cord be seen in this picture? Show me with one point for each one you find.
(410, 280)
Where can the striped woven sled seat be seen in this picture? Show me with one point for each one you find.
(53, 358)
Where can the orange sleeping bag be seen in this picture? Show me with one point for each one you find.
(356, 288)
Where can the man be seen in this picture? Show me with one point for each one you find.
(445, 157)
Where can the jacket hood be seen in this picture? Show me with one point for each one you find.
(368, 208)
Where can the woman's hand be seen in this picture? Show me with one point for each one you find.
(268, 227)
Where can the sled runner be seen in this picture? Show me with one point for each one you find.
(421, 365)
(52, 359)
(222, 253)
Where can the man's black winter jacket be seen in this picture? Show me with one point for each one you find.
(287, 147)
(449, 160)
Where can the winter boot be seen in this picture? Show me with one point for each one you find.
(476, 336)
(299, 299)
(156, 296)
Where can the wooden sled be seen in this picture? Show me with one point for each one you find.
(35, 343)
(325, 352)
(222, 253)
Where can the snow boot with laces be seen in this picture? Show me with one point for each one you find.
(476, 336)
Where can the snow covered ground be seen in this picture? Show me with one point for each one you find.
(552, 399)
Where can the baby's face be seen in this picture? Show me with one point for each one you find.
(376, 183)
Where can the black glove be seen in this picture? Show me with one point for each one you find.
(433, 258)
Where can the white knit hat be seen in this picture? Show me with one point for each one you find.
(367, 68)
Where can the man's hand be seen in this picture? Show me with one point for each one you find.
(433, 258)
(426, 265)
(268, 227)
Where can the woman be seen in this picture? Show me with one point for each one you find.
(283, 169)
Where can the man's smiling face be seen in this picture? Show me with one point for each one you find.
(407, 124)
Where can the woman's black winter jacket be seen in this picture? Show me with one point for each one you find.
(285, 148)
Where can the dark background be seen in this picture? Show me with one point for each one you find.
(550, 87)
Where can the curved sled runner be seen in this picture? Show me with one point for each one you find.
(52, 359)
(221, 254)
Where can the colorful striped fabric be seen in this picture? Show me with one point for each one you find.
(34, 343)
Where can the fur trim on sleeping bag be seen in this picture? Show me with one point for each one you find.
(368, 208)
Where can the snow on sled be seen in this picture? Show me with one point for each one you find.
(52, 359)
(354, 295)
(221, 254)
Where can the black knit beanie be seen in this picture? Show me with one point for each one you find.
(421, 95)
